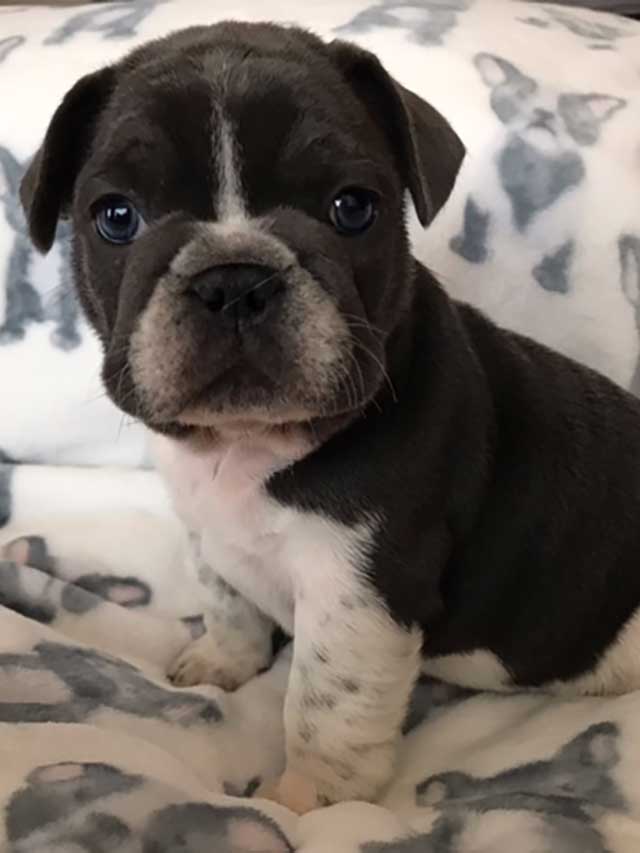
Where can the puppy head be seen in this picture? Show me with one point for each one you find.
(237, 200)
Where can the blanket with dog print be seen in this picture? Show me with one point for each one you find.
(100, 753)
(97, 590)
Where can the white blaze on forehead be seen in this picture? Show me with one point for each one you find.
(230, 204)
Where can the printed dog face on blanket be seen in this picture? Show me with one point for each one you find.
(539, 162)
(74, 683)
(76, 806)
(24, 303)
(557, 802)
(245, 264)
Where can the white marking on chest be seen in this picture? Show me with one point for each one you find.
(269, 553)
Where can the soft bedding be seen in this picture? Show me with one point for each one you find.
(100, 753)
(98, 591)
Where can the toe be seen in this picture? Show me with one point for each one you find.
(294, 791)
(186, 671)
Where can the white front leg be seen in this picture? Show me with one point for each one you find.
(236, 646)
(353, 672)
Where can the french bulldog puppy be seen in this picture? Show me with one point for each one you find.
(377, 470)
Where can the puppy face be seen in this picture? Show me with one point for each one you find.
(237, 197)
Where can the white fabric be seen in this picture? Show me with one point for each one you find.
(82, 670)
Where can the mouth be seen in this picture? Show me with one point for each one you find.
(251, 421)
(243, 396)
(247, 399)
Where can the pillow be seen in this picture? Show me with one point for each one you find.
(542, 231)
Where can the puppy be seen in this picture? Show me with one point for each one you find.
(374, 468)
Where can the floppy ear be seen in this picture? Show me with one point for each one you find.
(427, 149)
(47, 187)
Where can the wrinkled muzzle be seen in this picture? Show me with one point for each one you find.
(238, 328)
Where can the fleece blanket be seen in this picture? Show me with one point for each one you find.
(100, 753)
(98, 591)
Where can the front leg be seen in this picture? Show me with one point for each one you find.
(236, 646)
(353, 672)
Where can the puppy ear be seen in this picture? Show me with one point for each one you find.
(427, 149)
(47, 187)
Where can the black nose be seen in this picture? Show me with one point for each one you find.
(240, 293)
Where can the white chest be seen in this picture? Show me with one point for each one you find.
(245, 536)
(270, 554)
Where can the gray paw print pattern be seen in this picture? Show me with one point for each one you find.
(32, 593)
(426, 22)
(113, 21)
(75, 682)
(565, 794)
(59, 809)
(24, 304)
(200, 828)
(72, 806)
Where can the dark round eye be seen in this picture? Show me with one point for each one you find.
(353, 210)
(117, 220)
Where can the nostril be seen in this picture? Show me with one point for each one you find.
(255, 302)
(215, 300)
(257, 299)
(240, 292)
(213, 297)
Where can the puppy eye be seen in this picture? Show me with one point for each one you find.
(353, 210)
(117, 220)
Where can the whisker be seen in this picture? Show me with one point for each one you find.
(345, 380)
(95, 398)
(256, 287)
(120, 425)
(373, 400)
(357, 323)
(354, 361)
(383, 369)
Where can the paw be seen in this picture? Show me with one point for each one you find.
(293, 790)
(206, 662)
